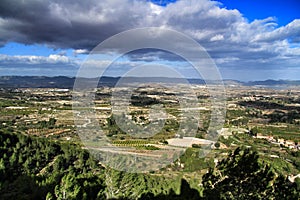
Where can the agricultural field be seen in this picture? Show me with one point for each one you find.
(264, 120)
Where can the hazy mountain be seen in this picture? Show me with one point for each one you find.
(68, 82)
(273, 82)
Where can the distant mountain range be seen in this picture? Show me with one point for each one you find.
(68, 82)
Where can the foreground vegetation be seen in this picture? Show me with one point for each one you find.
(38, 168)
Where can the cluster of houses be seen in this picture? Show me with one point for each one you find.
(280, 141)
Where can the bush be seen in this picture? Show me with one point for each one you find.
(196, 145)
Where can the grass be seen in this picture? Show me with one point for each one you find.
(290, 132)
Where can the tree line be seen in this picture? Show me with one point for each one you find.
(39, 168)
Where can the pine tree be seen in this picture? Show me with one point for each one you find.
(241, 176)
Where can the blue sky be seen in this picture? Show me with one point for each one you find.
(248, 39)
(285, 11)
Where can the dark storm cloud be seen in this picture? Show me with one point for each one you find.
(66, 24)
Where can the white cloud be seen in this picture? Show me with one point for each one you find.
(80, 51)
(32, 59)
(156, 9)
(226, 60)
(228, 36)
(291, 30)
(217, 37)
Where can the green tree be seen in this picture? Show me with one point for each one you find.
(253, 131)
(68, 188)
(52, 122)
(284, 189)
(49, 196)
(241, 176)
(217, 145)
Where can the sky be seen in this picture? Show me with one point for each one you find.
(247, 39)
